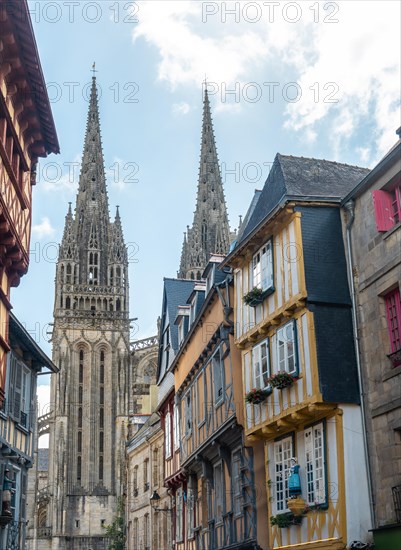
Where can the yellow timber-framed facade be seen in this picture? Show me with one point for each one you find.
(295, 333)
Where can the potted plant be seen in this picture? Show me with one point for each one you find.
(285, 520)
(254, 297)
(257, 395)
(281, 380)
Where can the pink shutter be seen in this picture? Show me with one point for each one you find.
(382, 203)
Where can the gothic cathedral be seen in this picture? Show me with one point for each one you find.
(91, 394)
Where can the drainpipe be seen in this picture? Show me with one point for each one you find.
(350, 209)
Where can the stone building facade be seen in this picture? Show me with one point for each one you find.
(372, 231)
(147, 529)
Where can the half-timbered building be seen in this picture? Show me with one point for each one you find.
(216, 502)
(293, 325)
(18, 421)
(27, 132)
(176, 292)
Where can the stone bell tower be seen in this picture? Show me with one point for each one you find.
(90, 396)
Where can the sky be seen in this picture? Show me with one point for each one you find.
(312, 79)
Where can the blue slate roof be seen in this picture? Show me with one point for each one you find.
(176, 292)
(302, 178)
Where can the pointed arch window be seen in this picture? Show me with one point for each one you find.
(204, 233)
(100, 468)
(93, 268)
(80, 417)
(69, 271)
(79, 442)
(101, 418)
(79, 468)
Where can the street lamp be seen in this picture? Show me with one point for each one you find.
(154, 501)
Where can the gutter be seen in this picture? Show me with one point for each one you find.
(350, 209)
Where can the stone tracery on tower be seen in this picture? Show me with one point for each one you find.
(210, 231)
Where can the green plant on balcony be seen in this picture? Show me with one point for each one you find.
(286, 520)
(281, 380)
(254, 297)
(257, 395)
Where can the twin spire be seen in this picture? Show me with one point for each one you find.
(210, 231)
(91, 227)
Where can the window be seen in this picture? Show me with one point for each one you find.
(167, 434)
(262, 267)
(176, 434)
(178, 512)
(190, 512)
(283, 452)
(188, 414)
(236, 483)
(146, 475)
(101, 442)
(79, 442)
(219, 492)
(146, 531)
(315, 465)
(19, 391)
(286, 348)
(79, 468)
(135, 481)
(136, 533)
(261, 365)
(155, 467)
(387, 205)
(393, 309)
(218, 376)
(201, 398)
(100, 468)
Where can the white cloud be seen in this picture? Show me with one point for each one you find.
(181, 108)
(43, 229)
(363, 67)
(57, 176)
(120, 174)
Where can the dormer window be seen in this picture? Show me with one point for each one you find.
(192, 311)
(210, 279)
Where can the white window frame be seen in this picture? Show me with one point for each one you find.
(192, 310)
(217, 365)
(176, 427)
(190, 512)
(188, 413)
(167, 435)
(179, 506)
(261, 355)
(315, 467)
(262, 267)
(283, 452)
(283, 342)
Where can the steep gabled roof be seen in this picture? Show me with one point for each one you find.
(176, 292)
(302, 178)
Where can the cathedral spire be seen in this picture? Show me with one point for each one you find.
(210, 232)
(92, 210)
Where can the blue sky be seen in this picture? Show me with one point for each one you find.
(302, 78)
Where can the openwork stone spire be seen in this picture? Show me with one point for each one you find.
(93, 255)
(92, 210)
(210, 232)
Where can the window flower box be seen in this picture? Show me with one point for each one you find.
(286, 520)
(257, 396)
(255, 296)
(281, 380)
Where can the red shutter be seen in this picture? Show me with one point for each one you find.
(382, 202)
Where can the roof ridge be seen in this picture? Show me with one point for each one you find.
(280, 155)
